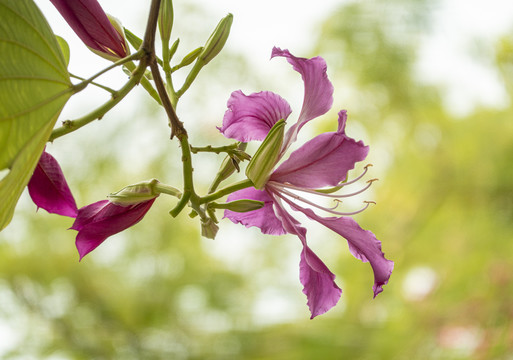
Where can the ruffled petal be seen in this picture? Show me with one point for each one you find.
(49, 190)
(96, 222)
(362, 244)
(322, 161)
(263, 218)
(318, 96)
(318, 281)
(250, 117)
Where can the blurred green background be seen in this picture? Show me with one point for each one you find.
(159, 291)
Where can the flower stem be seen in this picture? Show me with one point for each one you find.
(72, 125)
(106, 88)
(217, 150)
(225, 191)
(145, 84)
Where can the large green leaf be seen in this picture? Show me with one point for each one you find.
(34, 86)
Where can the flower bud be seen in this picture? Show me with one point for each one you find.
(261, 164)
(217, 39)
(134, 194)
(190, 57)
(165, 21)
(239, 205)
(209, 228)
(100, 33)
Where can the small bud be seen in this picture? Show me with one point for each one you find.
(217, 39)
(261, 164)
(165, 21)
(239, 205)
(133, 39)
(209, 228)
(134, 194)
(190, 57)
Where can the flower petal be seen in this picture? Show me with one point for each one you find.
(263, 218)
(318, 96)
(362, 244)
(250, 117)
(49, 190)
(91, 24)
(322, 161)
(97, 221)
(318, 281)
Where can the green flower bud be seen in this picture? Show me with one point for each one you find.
(133, 39)
(239, 205)
(165, 21)
(217, 39)
(190, 57)
(209, 228)
(260, 167)
(135, 194)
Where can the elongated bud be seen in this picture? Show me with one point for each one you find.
(239, 205)
(108, 53)
(133, 39)
(99, 32)
(260, 167)
(216, 41)
(135, 194)
(190, 57)
(165, 21)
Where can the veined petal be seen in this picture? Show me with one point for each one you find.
(318, 96)
(263, 218)
(362, 244)
(49, 190)
(322, 161)
(250, 117)
(97, 221)
(91, 24)
(318, 281)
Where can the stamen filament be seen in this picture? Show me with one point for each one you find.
(290, 186)
(302, 199)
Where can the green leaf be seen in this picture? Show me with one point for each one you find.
(64, 48)
(34, 86)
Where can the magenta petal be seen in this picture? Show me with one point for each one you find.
(250, 117)
(319, 283)
(97, 221)
(362, 244)
(90, 23)
(322, 161)
(318, 96)
(49, 190)
(263, 218)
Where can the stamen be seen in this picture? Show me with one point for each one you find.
(290, 186)
(365, 168)
(338, 202)
(302, 199)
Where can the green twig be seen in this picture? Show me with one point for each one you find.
(226, 191)
(72, 125)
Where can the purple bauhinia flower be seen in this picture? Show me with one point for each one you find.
(48, 188)
(322, 162)
(97, 221)
(93, 27)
